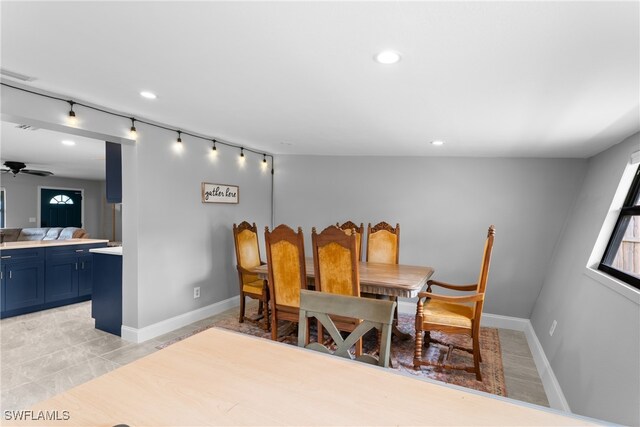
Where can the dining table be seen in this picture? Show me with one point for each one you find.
(384, 281)
(221, 377)
(391, 280)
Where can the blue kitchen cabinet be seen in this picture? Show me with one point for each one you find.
(22, 274)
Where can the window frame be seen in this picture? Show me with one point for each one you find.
(627, 211)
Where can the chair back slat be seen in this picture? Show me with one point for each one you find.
(348, 227)
(335, 262)
(383, 243)
(286, 265)
(245, 237)
(376, 314)
(484, 271)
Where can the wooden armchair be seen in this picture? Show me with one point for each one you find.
(245, 238)
(348, 227)
(336, 272)
(286, 272)
(454, 315)
(374, 314)
(383, 243)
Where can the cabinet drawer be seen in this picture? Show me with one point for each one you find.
(19, 255)
(63, 251)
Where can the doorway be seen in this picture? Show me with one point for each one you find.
(61, 207)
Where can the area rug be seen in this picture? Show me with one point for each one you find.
(402, 352)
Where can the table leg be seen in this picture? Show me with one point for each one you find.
(395, 330)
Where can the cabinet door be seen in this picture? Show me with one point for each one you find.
(62, 277)
(85, 274)
(2, 287)
(23, 284)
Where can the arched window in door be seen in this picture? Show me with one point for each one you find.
(60, 199)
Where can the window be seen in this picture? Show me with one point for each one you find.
(60, 199)
(622, 257)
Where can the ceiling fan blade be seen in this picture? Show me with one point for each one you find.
(36, 172)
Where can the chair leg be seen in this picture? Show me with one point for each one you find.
(476, 357)
(274, 324)
(427, 338)
(267, 323)
(259, 307)
(320, 333)
(359, 348)
(417, 355)
(241, 320)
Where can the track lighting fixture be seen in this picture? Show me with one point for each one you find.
(71, 118)
(72, 121)
(133, 132)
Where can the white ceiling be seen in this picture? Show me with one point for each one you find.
(42, 149)
(545, 79)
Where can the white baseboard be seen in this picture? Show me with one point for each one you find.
(549, 380)
(168, 325)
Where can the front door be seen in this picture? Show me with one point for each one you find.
(60, 208)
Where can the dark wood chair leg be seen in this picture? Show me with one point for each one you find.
(274, 324)
(267, 320)
(241, 320)
(260, 307)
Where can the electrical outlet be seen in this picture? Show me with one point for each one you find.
(553, 327)
(196, 292)
(32, 219)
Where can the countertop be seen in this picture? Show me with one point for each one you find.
(48, 243)
(114, 250)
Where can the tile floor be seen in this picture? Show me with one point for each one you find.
(45, 353)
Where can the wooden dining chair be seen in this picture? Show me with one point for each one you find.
(286, 273)
(336, 272)
(376, 314)
(245, 237)
(383, 243)
(454, 315)
(348, 227)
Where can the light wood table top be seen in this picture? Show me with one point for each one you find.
(220, 377)
(381, 279)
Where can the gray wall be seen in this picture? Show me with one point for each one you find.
(22, 200)
(595, 350)
(444, 207)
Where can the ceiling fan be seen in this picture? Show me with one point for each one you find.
(19, 167)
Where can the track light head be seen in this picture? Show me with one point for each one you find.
(179, 140)
(241, 151)
(71, 118)
(214, 148)
(264, 159)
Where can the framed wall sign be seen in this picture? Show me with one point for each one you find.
(220, 193)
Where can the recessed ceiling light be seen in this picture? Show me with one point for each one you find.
(67, 142)
(148, 95)
(437, 142)
(387, 57)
